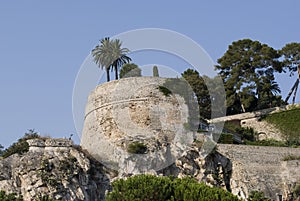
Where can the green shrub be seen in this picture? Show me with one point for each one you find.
(291, 157)
(246, 133)
(130, 70)
(10, 197)
(296, 191)
(257, 196)
(21, 146)
(153, 188)
(226, 138)
(165, 90)
(137, 148)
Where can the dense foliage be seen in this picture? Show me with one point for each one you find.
(153, 188)
(110, 55)
(257, 196)
(14, 197)
(247, 69)
(291, 62)
(198, 85)
(9, 196)
(130, 70)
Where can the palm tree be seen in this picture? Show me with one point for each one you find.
(101, 54)
(291, 54)
(119, 54)
(109, 54)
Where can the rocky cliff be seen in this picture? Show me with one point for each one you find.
(54, 167)
(57, 168)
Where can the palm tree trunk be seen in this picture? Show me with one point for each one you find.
(107, 75)
(116, 73)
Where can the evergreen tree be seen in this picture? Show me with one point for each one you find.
(291, 54)
(155, 71)
(244, 68)
(130, 70)
(200, 90)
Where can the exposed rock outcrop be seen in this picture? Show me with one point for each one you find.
(54, 167)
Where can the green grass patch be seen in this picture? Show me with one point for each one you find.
(288, 122)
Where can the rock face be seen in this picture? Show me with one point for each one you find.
(131, 110)
(214, 170)
(54, 167)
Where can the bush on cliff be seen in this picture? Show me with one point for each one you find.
(137, 148)
(257, 196)
(21, 146)
(153, 188)
(9, 196)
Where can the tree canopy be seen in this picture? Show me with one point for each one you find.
(110, 55)
(130, 70)
(291, 62)
(247, 69)
(153, 188)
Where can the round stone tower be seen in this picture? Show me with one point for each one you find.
(131, 110)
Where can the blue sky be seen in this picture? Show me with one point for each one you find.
(44, 43)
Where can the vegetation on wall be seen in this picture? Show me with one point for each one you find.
(291, 158)
(137, 148)
(165, 90)
(257, 196)
(296, 191)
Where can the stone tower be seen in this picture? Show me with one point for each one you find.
(121, 112)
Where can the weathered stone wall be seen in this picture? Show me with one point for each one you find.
(264, 129)
(131, 109)
(256, 114)
(262, 168)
